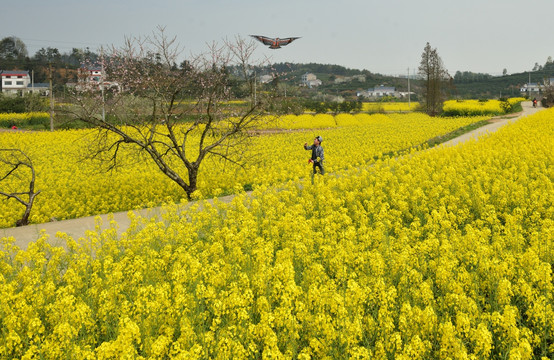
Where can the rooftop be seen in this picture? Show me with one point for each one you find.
(14, 72)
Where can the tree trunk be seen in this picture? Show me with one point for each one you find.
(28, 207)
(193, 179)
(25, 218)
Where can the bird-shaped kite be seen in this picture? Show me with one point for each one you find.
(274, 43)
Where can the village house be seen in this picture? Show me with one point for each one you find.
(535, 88)
(379, 92)
(94, 74)
(530, 88)
(15, 82)
(18, 82)
(93, 78)
(310, 80)
(39, 88)
(266, 79)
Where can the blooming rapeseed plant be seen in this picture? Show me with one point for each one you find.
(389, 106)
(476, 107)
(73, 186)
(19, 119)
(439, 254)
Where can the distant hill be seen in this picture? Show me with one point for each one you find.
(464, 85)
(496, 86)
(336, 79)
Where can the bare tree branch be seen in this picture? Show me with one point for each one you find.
(177, 115)
(16, 159)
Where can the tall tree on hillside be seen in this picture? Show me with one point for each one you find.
(435, 78)
(13, 53)
(176, 117)
(48, 55)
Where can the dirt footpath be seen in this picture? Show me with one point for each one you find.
(77, 227)
(495, 124)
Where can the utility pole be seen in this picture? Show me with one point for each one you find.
(254, 87)
(409, 97)
(51, 98)
(102, 84)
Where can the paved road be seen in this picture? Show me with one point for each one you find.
(77, 227)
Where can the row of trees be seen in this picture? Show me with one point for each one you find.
(14, 55)
(469, 77)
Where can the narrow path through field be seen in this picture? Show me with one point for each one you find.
(495, 124)
(77, 227)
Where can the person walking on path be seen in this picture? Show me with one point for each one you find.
(317, 156)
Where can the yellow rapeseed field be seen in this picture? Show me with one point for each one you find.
(476, 107)
(443, 254)
(19, 119)
(73, 186)
(389, 106)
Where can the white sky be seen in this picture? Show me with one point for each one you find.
(382, 36)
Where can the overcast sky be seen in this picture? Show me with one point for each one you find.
(382, 36)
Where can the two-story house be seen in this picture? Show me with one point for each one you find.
(90, 76)
(15, 81)
(93, 78)
(310, 80)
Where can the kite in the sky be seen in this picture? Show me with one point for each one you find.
(274, 43)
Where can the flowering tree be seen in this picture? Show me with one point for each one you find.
(175, 115)
(15, 163)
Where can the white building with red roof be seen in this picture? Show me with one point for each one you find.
(15, 81)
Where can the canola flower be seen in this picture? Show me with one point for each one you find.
(515, 100)
(476, 107)
(73, 186)
(389, 106)
(442, 254)
(19, 119)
